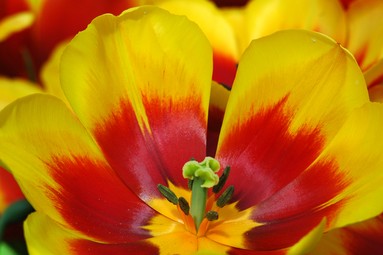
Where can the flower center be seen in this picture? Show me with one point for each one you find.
(201, 176)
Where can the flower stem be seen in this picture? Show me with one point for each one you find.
(198, 202)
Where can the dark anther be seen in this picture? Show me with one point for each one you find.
(225, 197)
(211, 215)
(184, 205)
(222, 180)
(168, 194)
(190, 184)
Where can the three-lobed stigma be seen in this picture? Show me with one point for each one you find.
(201, 176)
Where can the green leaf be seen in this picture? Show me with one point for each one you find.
(5, 249)
(16, 212)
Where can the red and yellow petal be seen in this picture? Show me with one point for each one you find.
(217, 29)
(350, 195)
(265, 17)
(283, 110)
(48, 237)
(365, 41)
(15, 23)
(374, 80)
(357, 239)
(346, 3)
(218, 100)
(292, 102)
(140, 83)
(63, 173)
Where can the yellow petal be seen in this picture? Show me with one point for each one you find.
(212, 22)
(142, 80)
(48, 237)
(265, 17)
(11, 89)
(357, 151)
(319, 80)
(365, 25)
(308, 242)
(27, 133)
(50, 73)
(15, 23)
(45, 236)
(145, 50)
(63, 173)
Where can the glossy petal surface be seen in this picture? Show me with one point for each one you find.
(64, 174)
(282, 145)
(140, 83)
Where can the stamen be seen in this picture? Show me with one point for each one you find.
(222, 180)
(211, 215)
(184, 205)
(168, 194)
(225, 197)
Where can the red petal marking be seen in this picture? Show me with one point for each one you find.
(361, 239)
(377, 81)
(297, 208)
(8, 7)
(305, 194)
(263, 155)
(285, 233)
(143, 160)
(223, 3)
(84, 247)
(213, 129)
(235, 251)
(346, 3)
(224, 69)
(93, 200)
(360, 57)
(9, 189)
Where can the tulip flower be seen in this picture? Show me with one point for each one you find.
(13, 207)
(125, 169)
(53, 23)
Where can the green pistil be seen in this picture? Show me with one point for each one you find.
(201, 176)
(204, 176)
(198, 202)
